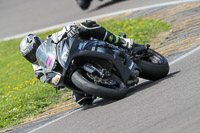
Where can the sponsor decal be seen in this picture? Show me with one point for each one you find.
(131, 66)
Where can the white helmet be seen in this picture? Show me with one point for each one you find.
(28, 47)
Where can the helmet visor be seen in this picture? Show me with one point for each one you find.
(31, 56)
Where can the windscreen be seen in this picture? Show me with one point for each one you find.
(46, 55)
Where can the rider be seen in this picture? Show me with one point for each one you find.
(87, 30)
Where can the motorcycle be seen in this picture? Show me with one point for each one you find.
(98, 68)
(84, 4)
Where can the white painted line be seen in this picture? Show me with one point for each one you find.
(54, 121)
(97, 17)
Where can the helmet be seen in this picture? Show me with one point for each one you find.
(28, 47)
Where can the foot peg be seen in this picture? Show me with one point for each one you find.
(134, 78)
(132, 82)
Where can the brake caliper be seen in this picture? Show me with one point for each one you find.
(99, 76)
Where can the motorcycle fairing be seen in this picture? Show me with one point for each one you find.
(83, 48)
(46, 55)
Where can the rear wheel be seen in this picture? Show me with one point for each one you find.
(114, 89)
(153, 67)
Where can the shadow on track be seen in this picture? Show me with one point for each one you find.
(133, 90)
(107, 4)
(148, 83)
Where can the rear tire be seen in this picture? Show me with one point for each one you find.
(97, 90)
(152, 70)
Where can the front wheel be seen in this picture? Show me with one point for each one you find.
(113, 92)
(153, 67)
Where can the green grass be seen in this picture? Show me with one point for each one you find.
(22, 95)
(141, 30)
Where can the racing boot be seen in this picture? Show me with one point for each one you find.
(134, 78)
(126, 42)
(83, 99)
(119, 41)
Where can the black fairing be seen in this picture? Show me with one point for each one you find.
(79, 48)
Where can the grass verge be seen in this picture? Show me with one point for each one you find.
(22, 95)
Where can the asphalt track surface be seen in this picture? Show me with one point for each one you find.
(170, 105)
(24, 16)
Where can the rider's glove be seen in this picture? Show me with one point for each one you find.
(56, 79)
(72, 30)
(67, 31)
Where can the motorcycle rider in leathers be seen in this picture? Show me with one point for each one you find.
(86, 30)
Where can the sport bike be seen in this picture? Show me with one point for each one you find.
(84, 4)
(98, 68)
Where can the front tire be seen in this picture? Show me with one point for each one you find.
(97, 90)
